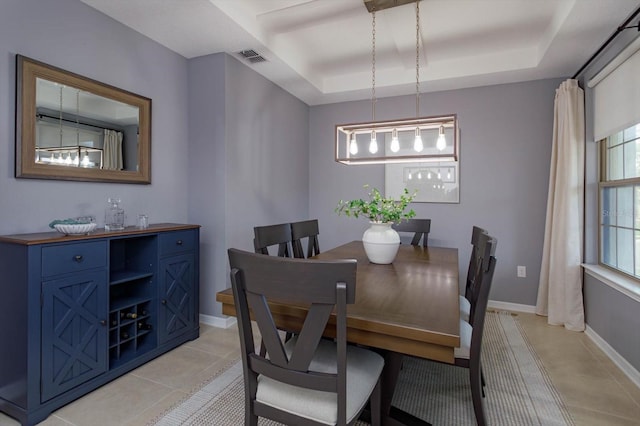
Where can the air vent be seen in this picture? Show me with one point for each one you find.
(251, 56)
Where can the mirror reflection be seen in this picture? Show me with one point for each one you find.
(74, 128)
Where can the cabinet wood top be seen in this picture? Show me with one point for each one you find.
(57, 237)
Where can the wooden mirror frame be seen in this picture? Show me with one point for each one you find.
(27, 71)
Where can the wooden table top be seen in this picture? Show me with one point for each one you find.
(410, 306)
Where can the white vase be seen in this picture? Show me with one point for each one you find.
(381, 243)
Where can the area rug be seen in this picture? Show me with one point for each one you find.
(518, 392)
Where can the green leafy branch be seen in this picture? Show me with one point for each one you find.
(378, 208)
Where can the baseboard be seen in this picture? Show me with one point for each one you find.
(623, 364)
(494, 304)
(219, 322)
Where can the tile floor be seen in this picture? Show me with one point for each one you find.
(594, 389)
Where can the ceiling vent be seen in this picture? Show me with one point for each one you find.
(251, 56)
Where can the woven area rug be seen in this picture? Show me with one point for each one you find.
(518, 390)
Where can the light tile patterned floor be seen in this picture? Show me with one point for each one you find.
(594, 389)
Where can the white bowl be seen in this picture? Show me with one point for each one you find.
(76, 229)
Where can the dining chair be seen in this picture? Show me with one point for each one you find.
(465, 301)
(271, 235)
(305, 229)
(420, 228)
(306, 380)
(468, 354)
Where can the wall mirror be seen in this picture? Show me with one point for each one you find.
(70, 127)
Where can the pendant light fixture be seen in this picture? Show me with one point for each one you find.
(420, 139)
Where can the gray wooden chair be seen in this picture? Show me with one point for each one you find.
(468, 354)
(305, 229)
(272, 235)
(420, 228)
(306, 380)
(465, 301)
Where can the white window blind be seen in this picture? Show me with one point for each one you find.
(617, 93)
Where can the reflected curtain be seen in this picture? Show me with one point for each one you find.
(112, 150)
(560, 288)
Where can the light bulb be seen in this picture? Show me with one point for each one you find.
(441, 144)
(439, 176)
(417, 143)
(395, 144)
(68, 160)
(429, 175)
(76, 160)
(85, 160)
(410, 176)
(449, 174)
(419, 175)
(373, 146)
(353, 146)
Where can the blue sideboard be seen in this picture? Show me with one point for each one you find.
(79, 311)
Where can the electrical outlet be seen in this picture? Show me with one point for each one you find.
(522, 271)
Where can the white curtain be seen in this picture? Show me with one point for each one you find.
(112, 150)
(560, 289)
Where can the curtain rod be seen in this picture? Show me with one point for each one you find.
(79, 123)
(606, 43)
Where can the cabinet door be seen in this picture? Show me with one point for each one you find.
(74, 332)
(177, 300)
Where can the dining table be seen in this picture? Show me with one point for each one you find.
(407, 308)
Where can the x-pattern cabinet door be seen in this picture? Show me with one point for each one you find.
(74, 332)
(177, 297)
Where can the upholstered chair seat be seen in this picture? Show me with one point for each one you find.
(363, 369)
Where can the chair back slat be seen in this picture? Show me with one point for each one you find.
(485, 251)
(271, 235)
(420, 228)
(256, 279)
(305, 229)
(479, 308)
(473, 260)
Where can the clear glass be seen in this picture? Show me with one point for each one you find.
(614, 140)
(636, 210)
(114, 215)
(637, 252)
(625, 250)
(608, 241)
(608, 199)
(624, 208)
(615, 168)
(631, 133)
(143, 221)
(631, 166)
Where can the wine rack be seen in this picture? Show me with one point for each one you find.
(132, 293)
(130, 332)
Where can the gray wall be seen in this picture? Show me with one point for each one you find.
(610, 313)
(505, 145)
(70, 35)
(614, 317)
(248, 161)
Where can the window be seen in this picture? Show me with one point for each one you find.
(620, 201)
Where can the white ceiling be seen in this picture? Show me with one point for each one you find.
(320, 50)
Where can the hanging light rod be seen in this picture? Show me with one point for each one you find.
(379, 5)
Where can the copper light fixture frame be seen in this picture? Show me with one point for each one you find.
(384, 129)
